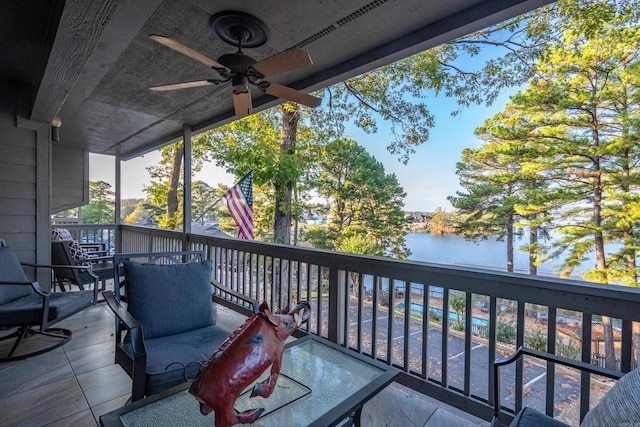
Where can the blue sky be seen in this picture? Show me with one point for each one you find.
(428, 178)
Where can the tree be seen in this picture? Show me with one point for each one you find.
(459, 305)
(489, 176)
(441, 222)
(164, 190)
(101, 207)
(364, 201)
(578, 112)
(203, 196)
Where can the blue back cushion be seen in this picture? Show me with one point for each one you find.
(11, 270)
(169, 299)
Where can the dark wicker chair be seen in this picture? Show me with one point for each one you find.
(169, 317)
(26, 310)
(63, 255)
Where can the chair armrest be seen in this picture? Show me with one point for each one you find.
(128, 321)
(75, 267)
(98, 258)
(524, 351)
(35, 285)
(230, 298)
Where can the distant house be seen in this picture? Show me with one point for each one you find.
(208, 230)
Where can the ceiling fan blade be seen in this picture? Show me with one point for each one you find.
(242, 104)
(289, 94)
(185, 50)
(184, 85)
(289, 60)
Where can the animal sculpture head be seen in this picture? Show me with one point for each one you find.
(286, 322)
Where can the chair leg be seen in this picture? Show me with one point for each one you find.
(24, 332)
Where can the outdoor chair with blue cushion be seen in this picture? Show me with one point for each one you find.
(26, 310)
(619, 407)
(169, 317)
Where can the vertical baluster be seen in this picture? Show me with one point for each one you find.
(360, 310)
(319, 299)
(390, 321)
(494, 388)
(444, 354)
(626, 345)
(374, 319)
(265, 274)
(467, 344)
(585, 377)
(425, 328)
(520, 363)
(347, 310)
(406, 326)
(551, 369)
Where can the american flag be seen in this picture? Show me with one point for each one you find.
(240, 204)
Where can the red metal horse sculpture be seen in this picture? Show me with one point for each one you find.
(241, 359)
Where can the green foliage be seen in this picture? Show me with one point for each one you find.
(384, 300)
(506, 332)
(535, 339)
(442, 222)
(458, 302)
(203, 196)
(569, 350)
(564, 151)
(143, 212)
(101, 207)
(365, 203)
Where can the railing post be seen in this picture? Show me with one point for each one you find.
(333, 303)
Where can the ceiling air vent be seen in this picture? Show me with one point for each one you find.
(342, 22)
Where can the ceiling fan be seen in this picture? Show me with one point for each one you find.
(243, 30)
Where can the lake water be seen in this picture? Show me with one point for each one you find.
(491, 254)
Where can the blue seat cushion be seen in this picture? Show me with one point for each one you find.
(187, 347)
(27, 310)
(529, 417)
(11, 270)
(170, 299)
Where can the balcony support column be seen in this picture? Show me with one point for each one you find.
(186, 217)
(118, 205)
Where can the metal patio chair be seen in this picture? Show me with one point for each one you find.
(26, 310)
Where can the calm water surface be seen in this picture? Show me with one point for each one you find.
(456, 250)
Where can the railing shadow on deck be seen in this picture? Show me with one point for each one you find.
(352, 297)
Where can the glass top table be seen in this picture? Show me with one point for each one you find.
(320, 384)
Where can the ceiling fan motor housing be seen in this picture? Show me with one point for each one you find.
(237, 63)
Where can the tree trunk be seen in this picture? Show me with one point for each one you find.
(636, 342)
(601, 264)
(510, 243)
(533, 250)
(296, 220)
(282, 214)
(174, 181)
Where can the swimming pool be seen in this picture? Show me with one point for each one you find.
(437, 312)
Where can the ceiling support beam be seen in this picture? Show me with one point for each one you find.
(70, 53)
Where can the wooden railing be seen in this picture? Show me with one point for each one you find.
(394, 310)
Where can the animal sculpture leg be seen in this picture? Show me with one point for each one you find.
(265, 388)
(248, 416)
